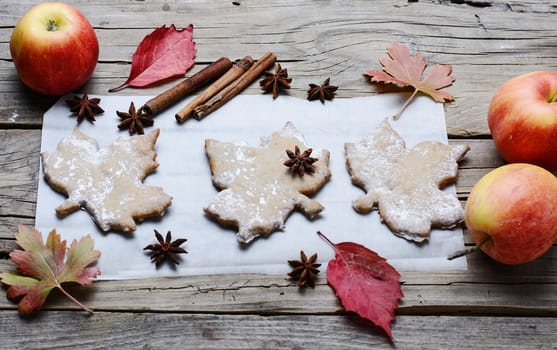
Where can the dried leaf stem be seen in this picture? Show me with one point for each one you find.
(236, 87)
(320, 234)
(230, 76)
(81, 305)
(397, 115)
(186, 87)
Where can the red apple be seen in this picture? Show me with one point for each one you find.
(522, 118)
(54, 48)
(514, 207)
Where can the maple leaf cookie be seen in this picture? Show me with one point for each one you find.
(107, 182)
(261, 186)
(405, 184)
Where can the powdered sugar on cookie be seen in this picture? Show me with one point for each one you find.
(107, 182)
(405, 185)
(257, 191)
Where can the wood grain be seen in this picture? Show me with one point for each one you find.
(485, 288)
(481, 43)
(488, 306)
(61, 330)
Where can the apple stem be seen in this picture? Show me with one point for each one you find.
(553, 99)
(470, 250)
(51, 26)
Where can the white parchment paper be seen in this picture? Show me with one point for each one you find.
(184, 174)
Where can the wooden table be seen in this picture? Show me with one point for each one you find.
(488, 306)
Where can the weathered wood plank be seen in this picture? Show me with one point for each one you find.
(193, 331)
(140, 14)
(487, 288)
(19, 169)
(466, 116)
(8, 225)
(479, 41)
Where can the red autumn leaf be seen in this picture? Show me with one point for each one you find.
(403, 70)
(43, 267)
(163, 54)
(365, 283)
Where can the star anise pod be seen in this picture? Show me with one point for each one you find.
(134, 120)
(322, 92)
(85, 107)
(275, 82)
(305, 270)
(166, 248)
(300, 163)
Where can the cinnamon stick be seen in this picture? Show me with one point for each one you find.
(186, 87)
(232, 74)
(236, 87)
